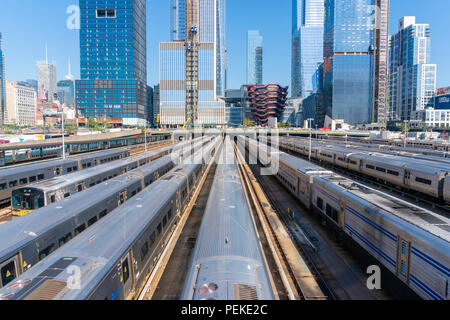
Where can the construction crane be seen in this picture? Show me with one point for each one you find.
(191, 46)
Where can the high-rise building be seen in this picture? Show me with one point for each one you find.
(47, 79)
(21, 103)
(177, 20)
(3, 114)
(351, 50)
(66, 90)
(412, 79)
(254, 58)
(307, 45)
(113, 52)
(192, 71)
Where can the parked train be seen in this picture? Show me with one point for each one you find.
(423, 176)
(41, 194)
(114, 256)
(410, 242)
(13, 178)
(227, 263)
(28, 240)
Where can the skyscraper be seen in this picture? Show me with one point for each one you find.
(412, 79)
(47, 79)
(3, 114)
(66, 89)
(351, 51)
(254, 58)
(192, 72)
(307, 45)
(113, 50)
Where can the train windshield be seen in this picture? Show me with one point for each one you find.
(27, 199)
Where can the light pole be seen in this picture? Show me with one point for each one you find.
(310, 137)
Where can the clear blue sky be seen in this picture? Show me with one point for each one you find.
(27, 25)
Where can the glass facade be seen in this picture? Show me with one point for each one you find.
(254, 58)
(412, 79)
(3, 115)
(113, 60)
(66, 92)
(349, 61)
(307, 45)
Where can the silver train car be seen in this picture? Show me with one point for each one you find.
(410, 242)
(26, 200)
(227, 262)
(114, 256)
(20, 176)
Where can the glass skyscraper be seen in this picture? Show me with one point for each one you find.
(307, 45)
(254, 57)
(349, 60)
(2, 85)
(412, 79)
(47, 80)
(113, 50)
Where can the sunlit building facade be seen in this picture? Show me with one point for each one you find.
(254, 57)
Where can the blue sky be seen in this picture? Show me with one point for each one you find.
(27, 25)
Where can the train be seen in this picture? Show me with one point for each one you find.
(410, 242)
(423, 176)
(27, 199)
(20, 176)
(228, 262)
(49, 228)
(112, 258)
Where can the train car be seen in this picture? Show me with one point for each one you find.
(410, 242)
(20, 176)
(38, 195)
(227, 262)
(114, 256)
(53, 226)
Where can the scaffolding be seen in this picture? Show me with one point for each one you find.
(191, 46)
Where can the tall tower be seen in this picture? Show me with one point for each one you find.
(254, 58)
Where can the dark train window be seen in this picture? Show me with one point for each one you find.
(41, 177)
(164, 222)
(381, 169)
(169, 214)
(75, 168)
(58, 171)
(32, 179)
(67, 195)
(92, 221)
(80, 229)
(320, 203)
(3, 186)
(44, 253)
(79, 188)
(8, 273)
(152, 239)
(84, 165)
(144, 251)
(65, 239)
(394, 173)
(91, 185)
(424, 181)
(125, 271)
(353, 162)
(52, 198)
(103, 214)
(23, 181)
(159, 228)
(12, 184)
(368, 166)
(69, 170)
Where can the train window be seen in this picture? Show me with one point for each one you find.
(144, 251)
(121, 198)
(125, 271)
(394, 173)
(8, 272)
(32, 179)
(91, 185)
(152, 239)
(52, 198)
(80, 229)
(3, 186)
(12, 184)
(353, 162)
(164, 222)
(66, 195)
(169, 215)
(23, 181)
(84, 165)
(41, 177)
(92, 221)
(75, 168)
(79, 187)
(381, 169)
(320, 203)
(69, 170)
(424, 181)
(57, 171)
(44, 253)
(103, 214)
(368, 166)
(65, 239)
(159, 228)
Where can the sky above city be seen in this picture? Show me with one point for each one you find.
(28, 25)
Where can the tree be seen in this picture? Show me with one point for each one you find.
(248, 123)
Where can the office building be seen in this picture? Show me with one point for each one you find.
(113, 54)
(21, 103)
(307, 45)
(66, 90)
(412, 78)
(254, 58)
(47, 79)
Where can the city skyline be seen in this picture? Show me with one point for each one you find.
(21, 66)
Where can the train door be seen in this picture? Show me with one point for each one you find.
(9, 270)
(122, 197)
(342, 212)
(126, 275)
(407, 177)
(403, 258)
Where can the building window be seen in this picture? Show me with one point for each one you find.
(106, 13)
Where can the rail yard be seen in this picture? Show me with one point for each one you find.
(228, 216)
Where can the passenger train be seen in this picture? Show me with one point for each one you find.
(427, 177)
(228, 262)
(410, 242)
(28, 240)
(115, 256)
(16, 177)
(41, 194)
